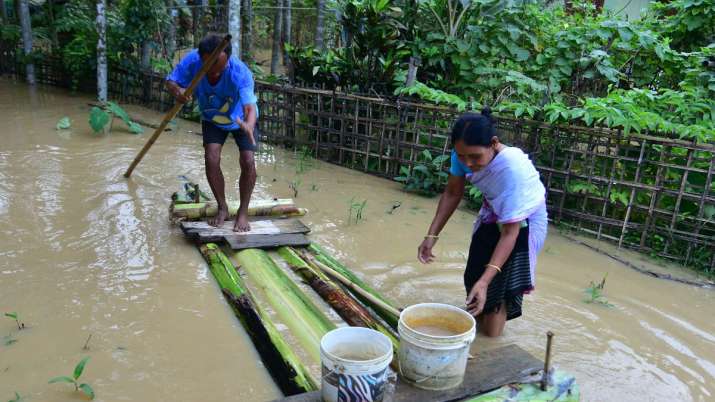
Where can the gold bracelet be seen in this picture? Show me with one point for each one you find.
(494, 266)
(431, 236)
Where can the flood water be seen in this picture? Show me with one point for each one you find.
(84, 251)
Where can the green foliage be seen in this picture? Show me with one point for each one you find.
(295, 186)
(529, 60)
(371, 54)
(98, 118)
(305, 161)
(355, 210)
(594, 293)
(10, 34)
(15, 316)
(79, 368)
(64, 123)
(17, 398)
(427, 176)
(474, 197)
(8, 340)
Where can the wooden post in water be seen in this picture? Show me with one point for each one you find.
(547, 361)
(174, 110)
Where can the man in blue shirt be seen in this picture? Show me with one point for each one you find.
(228, 106)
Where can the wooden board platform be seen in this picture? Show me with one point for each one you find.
(264, 233)
(489, 370)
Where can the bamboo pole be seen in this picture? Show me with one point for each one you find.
(348, 308)
(383, 307)
(177, 106)
(285, 367)
(369, 297)
(194, 211)
(294, 308)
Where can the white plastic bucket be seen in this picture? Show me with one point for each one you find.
(434, 345)
(354, 364)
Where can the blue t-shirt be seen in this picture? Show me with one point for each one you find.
(458, 168)
(222, 103)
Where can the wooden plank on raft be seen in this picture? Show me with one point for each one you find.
(238, 242)
(205, 233)
(489, 370)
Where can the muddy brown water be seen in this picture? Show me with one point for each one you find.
(84, 251)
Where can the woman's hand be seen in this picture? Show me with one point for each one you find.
(477, 298)
(424, 251)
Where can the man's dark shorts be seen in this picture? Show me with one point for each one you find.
(214, 135)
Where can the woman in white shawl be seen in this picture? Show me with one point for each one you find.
(510, 228)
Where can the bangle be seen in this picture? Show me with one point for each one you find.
(494, 266)
(431, 236)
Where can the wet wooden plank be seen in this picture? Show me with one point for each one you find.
(267, 241)
(490, 369)
(205, 233)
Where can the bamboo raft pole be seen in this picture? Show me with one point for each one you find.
(200, 210)
(282, 363)
(348, 308)
(292, 305)
(383, 307)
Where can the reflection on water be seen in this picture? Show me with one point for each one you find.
(85, 251)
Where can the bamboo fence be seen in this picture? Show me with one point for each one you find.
(651, 192)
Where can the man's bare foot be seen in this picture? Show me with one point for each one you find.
(219, 218)
(242, 224)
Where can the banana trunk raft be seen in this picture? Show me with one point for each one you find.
(254, 283)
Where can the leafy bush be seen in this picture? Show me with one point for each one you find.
(427, 176)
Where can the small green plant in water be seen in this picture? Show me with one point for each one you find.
(17, 398)
(8, 340)
(594, 293)
(64, 123)
(394, 207)
(79, 368)
(16, 317)
(355, 210)
(98, 118)
(314, 187)
(305, 161)
(295, 185)
(426, 177)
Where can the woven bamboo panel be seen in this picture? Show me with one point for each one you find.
(653, 193)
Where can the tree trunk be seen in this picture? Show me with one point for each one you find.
(3, 9)
(171, 37)
(234, 25)
(412, 71)
(247, 41)
(102, 51)
(16, 9)
(53, 31)
(287, 31)
(27, 38)
(320, 25)
(195, 23)
(146, 54)
(202, 18)
(276, 51)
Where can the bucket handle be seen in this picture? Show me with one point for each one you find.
(399, 367)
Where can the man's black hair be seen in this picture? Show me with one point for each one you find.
(210, 42)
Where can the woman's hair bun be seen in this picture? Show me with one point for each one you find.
(486, 112)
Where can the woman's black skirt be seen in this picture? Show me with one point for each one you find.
(507, 287)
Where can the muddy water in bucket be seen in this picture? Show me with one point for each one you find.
(434, 345)
(354, 364)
